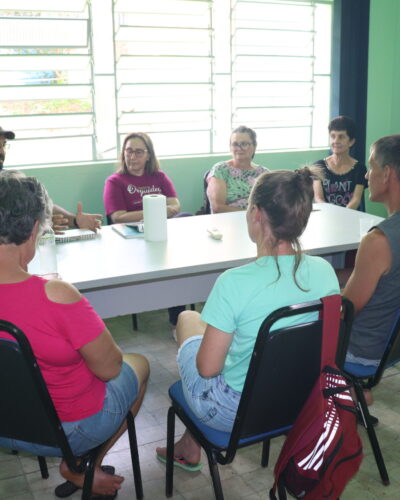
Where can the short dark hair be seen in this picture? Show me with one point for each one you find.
(152, 164)
(343, 123)
(23, 201)
(286, 197)
(387, 152)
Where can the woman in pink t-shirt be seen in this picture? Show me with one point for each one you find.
(91, 383)
(139, 174)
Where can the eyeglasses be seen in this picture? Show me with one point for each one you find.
(242, 145)
(4, 145)
(137, 152)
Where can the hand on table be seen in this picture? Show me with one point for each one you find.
(59, 223)
(87, 221)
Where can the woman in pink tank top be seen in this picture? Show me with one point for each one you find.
(92, 384)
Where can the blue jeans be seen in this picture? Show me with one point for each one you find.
(85, 434)
(212, 400)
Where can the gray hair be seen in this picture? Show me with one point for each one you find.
(387, 152)
(23, 201)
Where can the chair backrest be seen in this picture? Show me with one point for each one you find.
(361, 207)
(27, 412)
(206, 208)
(284, 367)
(391, 355)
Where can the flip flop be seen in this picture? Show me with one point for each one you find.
(67, 488)
(182, 463)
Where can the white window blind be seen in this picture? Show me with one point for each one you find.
(46, 80)
(164, 72)
(281, 71)
(76, 76)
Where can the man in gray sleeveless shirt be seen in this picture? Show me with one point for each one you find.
(374, 285)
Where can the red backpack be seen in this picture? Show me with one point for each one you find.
(323, 450)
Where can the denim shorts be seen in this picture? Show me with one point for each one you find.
(85, 434)
(213, 402)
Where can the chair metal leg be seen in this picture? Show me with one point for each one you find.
(282, 492)
(213, 465)
(169, 474)
(137, 476)
(44, 471)
(371, 434)
(134, 322)
(265, 453)
(88, 481)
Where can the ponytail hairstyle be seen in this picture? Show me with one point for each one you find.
(286, 198)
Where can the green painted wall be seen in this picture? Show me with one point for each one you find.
(69, 184)
(383, 107)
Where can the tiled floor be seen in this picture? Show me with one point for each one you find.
(244, 479)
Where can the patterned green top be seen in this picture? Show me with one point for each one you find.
(238, 182)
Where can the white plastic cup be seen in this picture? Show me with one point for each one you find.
(48, 254)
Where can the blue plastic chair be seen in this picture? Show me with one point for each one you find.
(366, 377)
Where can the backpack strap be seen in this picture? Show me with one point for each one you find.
(330, 329)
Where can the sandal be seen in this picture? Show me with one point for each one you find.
(182, 463)
(67, 488)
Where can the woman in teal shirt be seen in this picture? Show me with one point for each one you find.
(215, 349)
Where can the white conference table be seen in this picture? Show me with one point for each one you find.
(121, 276)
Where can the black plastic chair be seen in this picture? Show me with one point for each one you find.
(283, 369)
(206, 207)
(27, 412)
(367, 377)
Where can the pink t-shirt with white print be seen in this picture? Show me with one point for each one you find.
(126, 191)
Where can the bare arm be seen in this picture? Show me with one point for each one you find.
(102, 355)
(212, 352)
(373, 260)
(216, 192)
(173, 207)
(124, 216)
(356, 198)
(318, 192)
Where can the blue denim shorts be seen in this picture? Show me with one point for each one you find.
(213, 402)
(89, 432)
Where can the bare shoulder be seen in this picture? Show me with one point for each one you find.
(375, 240)
(62, 292)
(375, 249)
